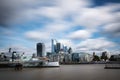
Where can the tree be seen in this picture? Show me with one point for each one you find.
(112, 58)
(96, 58)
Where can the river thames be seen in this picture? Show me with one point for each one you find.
(64, 72)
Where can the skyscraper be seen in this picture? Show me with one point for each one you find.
(52, 46)
(58, 47)
(70, 50)
(10, 50)
(65, 48)
(41, 50)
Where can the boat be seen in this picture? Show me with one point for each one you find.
(41, 64)
(51, 64)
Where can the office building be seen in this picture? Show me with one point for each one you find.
(58, 47)
(52, 46)
(65, 49)
(70, 50)
(41, 50)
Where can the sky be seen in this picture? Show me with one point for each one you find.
(85, 25)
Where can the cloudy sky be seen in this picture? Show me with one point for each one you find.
(85, 25)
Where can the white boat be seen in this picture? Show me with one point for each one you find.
(41, 64)
(51, 64)
(35, 62)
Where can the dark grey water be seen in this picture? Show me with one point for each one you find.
(64, 72)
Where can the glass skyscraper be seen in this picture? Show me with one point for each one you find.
(41, 50)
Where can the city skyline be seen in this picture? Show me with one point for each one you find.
(84, 25)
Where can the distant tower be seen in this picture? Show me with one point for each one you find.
(70, 50)
(58, 47)
(93, 54)
(65, 49)
(10, 50)
(41, 50)
(52, 46)
(55, 48)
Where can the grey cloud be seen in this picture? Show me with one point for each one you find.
(90, 44)
(112, 30)
(6, 12)
(11, 11)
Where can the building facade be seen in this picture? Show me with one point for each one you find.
(41, 50)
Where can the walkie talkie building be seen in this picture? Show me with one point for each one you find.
(41, 50)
